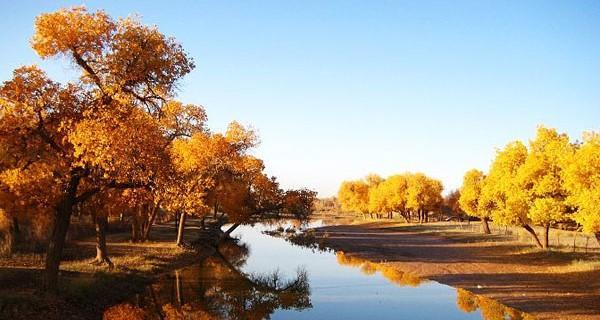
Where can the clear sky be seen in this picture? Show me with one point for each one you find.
(339, 89)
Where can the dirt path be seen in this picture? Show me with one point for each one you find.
(545, 285)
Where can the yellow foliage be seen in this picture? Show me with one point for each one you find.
(470, 194)
(354, 196)
(541, 179)
(490, 309)
(510, 206)
(397, 193)
(582, 181)
(390, 195)
(423, 193)
(391, 273)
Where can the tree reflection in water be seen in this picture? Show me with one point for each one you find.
(392, 274)
(218, 289)
(465, 300)
(490, 309)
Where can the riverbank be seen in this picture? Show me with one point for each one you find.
(548, 285)
(87, 290)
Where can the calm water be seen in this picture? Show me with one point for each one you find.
(267, 277)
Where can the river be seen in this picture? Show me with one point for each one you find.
(266, 277)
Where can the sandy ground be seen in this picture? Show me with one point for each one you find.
(545, 285)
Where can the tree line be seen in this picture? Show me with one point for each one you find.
(551, 180)
(116, 141)
(411, 195)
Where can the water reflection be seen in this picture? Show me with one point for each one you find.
(490, 309)
(392, 274)
(218, 289)
(466, 301)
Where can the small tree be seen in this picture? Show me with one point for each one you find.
(354, 196)
(503, 195)
(470, 196)
(541, 178)
(424, 194)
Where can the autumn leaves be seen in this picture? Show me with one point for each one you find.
(552, 180)
(117, 140)
(407, 194)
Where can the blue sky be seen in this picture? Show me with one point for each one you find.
(339, 89)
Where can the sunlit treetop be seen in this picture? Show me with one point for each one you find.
(510, 204)
(470, 193)
(582, 181)
(117, 56)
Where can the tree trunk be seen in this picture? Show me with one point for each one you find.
(405, 216)
(146, 234)
(597, 234)
(178, 289)
(135, 230)
(63, 213)
(101, 251)
(231, 229)
(181, 229)
(534, 235)
(7, 239)
(546, 243)
(15, 226)
(486, 226)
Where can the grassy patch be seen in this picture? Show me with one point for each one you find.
(578, 266)
(134, 260)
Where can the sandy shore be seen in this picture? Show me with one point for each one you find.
(546, 285)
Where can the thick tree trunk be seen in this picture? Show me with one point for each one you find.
(486, 225)
(101, 251)
(231, 229)
(150, 223)
(546, 243)
(181, 229)
(534, 235)
(597, 234)
(7, 239)
(63, 213)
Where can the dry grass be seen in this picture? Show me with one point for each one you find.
(564, 240)
(138, 259)
(578, 266)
